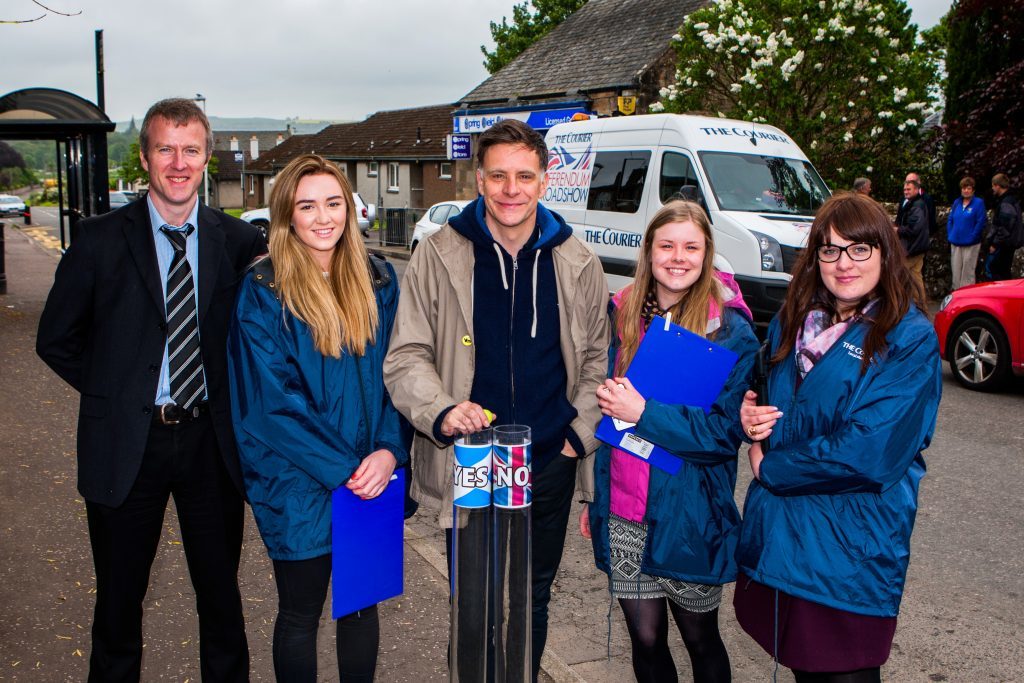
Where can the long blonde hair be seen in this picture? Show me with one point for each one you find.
(340, 309)
(691, 311)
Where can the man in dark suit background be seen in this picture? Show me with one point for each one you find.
(154, 417)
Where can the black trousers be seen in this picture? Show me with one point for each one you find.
(183, 461)
(301, 592)
(553, 488)
(999, 264)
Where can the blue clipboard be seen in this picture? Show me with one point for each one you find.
(676, 366)
(367, 547)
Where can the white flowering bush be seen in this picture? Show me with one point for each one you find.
(847, 79)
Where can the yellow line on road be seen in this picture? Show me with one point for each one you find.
(44, 238)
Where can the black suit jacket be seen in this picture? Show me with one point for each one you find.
(103, 330)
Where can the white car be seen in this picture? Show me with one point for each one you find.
(365, 215)
(11, 205)
(435, 217)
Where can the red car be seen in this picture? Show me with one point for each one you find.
(981, 333)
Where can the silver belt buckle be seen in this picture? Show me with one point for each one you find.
(163, 415)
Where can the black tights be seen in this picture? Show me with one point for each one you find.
(301, 591)
(647, 621)
(872, 675)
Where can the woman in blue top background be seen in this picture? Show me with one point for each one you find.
(964, 228)
(311, 414)
(667, 541)
(854, 390)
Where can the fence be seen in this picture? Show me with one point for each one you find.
(398, 226)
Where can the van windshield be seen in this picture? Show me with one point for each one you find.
(749, 182)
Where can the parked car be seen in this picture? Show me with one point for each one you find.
(11, 205)
(981, 333)
(435, 217)
(119, 199)
(365, 215)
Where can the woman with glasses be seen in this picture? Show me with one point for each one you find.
(853, 392)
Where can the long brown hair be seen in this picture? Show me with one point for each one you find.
(691, 311)
(341, 309)
(859, 219)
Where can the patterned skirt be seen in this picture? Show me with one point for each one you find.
(627, 541)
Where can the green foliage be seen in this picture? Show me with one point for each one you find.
(131, 170)
(847, 79)
(527, 27)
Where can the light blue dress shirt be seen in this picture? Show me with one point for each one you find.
(164, 256)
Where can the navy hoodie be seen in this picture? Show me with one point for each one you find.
(520, 374)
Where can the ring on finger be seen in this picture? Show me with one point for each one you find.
(752, 430)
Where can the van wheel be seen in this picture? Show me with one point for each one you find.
(979, 354)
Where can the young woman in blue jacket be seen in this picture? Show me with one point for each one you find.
(311, 414)
(667, 542)
(964, 229)
(853, 393)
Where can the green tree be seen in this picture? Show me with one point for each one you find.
(131, 168)
(847, 79)
(527, 27)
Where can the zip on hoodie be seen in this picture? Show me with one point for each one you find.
(511, 339)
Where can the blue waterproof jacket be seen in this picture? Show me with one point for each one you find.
(830, 519)
(966, 225)
(304, 421)
(692, 519)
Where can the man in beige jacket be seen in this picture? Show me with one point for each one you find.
(504, 309)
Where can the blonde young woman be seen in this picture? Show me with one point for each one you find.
(667, 541)
(311, 414)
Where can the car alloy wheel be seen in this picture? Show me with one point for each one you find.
(979, 355)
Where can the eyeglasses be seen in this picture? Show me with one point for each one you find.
(830, 253)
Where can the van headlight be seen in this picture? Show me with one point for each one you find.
(771, 252)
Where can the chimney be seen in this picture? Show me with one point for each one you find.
(234, 143)
(254, 147)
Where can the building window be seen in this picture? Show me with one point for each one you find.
(392, 176)
(252, 184)
(445, 171)
(371, 169)
(342, 166)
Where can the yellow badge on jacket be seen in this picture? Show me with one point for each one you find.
(466, 341)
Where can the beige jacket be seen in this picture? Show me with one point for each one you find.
(430, 363)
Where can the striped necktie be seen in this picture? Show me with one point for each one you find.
(184, 360)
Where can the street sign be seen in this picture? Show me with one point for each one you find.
(627, 105)
(239, 157)
(460, 147)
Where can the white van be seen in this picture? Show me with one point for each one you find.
(608, 177)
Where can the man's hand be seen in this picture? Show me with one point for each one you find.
(568, 451)
(465, 418)
(373, 474)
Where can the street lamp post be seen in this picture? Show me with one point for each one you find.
(206, 169)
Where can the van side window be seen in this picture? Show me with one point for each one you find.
(617, 182)
(678, 179)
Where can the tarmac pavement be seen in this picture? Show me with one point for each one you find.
(950, 629)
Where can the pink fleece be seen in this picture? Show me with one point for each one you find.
(630, 476)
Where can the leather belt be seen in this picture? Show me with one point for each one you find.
(173, 414)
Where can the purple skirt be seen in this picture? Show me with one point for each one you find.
(812, 637)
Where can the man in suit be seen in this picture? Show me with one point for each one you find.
(137, 323)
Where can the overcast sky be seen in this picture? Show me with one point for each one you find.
(311, 59)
